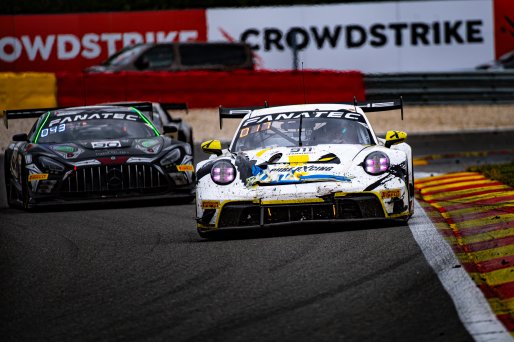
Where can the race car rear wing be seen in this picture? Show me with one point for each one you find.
(24, 114)
(175, 106)
(37, 112)
(380, 105)
(148, 106)
(237, 113)
(366, 106)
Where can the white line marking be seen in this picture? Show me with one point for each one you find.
(425, 174)
(472, 307)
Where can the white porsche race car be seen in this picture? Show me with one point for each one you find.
(307, 163)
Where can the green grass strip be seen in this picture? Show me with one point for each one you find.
(501, 172)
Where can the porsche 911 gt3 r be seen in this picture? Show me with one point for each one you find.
(94, 153)
(304, 163)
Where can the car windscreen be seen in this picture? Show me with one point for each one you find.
(69, 127)
(316, 128)
(212, 54)
(124, 56)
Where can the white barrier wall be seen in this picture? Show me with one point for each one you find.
(386, 37)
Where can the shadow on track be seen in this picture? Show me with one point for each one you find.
(303, 229)
(106, 205)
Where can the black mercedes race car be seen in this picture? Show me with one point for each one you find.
(92, 153)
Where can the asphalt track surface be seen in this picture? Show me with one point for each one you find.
(141, 273)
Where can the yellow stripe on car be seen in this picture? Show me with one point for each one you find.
(298, 159)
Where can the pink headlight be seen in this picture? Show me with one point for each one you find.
(222, 172)
(376, 163)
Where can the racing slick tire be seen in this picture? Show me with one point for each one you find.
(10, 192)
(25, 195)
(25, 192)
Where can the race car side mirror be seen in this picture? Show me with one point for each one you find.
(212, 147)
(170, 129)
(395, 137)
(20, 137)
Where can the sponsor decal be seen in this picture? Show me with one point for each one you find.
(390, 193)
(303, 168)
(292, 175)
(184, 168)
(38, 176)
(377, 35)
(72, 42)
(94, 116)
(210, 204)
(405, 36)
(309, 114)
(111, 152)
(105, 144)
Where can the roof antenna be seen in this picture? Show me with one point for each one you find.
(355, 103)
(303, 83)
(401, 105)
(266, 104)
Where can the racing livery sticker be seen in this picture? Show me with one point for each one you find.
(390, 193)
(184, 168)
(295, 115)
(105, 144)
(38, 176)
(210, 204)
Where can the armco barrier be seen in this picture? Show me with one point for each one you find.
(27, 90)
(443, 88)
(201, 89)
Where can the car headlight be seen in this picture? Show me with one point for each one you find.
(50, 165)
(223, 172)
(376, 163)
(172, 157)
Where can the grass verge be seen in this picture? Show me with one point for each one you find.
(502, 172)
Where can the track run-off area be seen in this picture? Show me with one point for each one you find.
(140, 271)
(476, 217)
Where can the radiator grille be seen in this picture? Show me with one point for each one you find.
(355, 206)
(115, 178)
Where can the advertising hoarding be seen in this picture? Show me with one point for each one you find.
(371, 37)
(413, 36)
(71, 42)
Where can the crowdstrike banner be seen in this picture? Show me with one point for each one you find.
(385, 37)
(414, 36)
(72, 42)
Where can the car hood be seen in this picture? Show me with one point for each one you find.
(100, 148)
(290, 165)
